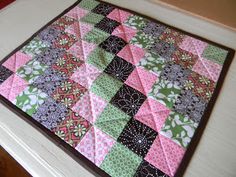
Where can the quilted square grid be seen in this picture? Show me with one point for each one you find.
(125, 92)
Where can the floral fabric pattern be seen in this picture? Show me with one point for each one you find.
(50, 113)
(72, 129)
(137, 137)
(107, 25)
(31, 71)
(119, 69)
(179, 128)
(128, 100)
(124, 92)
(30, 99)
(4, 73)
(113, 44)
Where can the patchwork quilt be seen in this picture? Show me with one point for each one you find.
(125, 93)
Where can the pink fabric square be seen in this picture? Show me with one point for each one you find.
(165, 155)
(81, 49)
(207, 68)
(193, 45)
(95, 145)
(85, 28)
(85, 75)
(119, 15)
(74, 29)
(16, 61)
(12, 87)
(153, 114)
(90, 106)
(124, 32)
(142, 80)
(77, 13)
(131, 53)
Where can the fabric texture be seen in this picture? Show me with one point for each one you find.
(125, 91)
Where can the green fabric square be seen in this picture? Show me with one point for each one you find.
(165, 92)
(96, 36)
(100, 58)
(179, 128)
(31, 70)
(136, 22)
(106, 86)
(34, 47)
(215, 54)
(121, 162)
(153, 62)
(142, 40)
(88, 4)
(92, 18)
(112, 121)
(30, 99)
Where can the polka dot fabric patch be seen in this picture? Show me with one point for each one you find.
(124, 93)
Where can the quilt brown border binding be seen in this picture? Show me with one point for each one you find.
(83, 160)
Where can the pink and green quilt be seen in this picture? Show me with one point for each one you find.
(124, 94)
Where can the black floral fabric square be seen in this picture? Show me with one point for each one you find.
(49, 35)
(154, 29)
(49, 81)
(50, 55)
(164, 49)
(146, 169)
(119, 68)
(128, 100)
(175, 73)
(103, 9)
(190, 105)
(50, 113)
(113, 44)
(137, 137)
(4, 73)
(108, 25)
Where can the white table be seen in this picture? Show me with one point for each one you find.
(215, 155)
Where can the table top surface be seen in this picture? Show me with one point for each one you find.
(215, 154)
